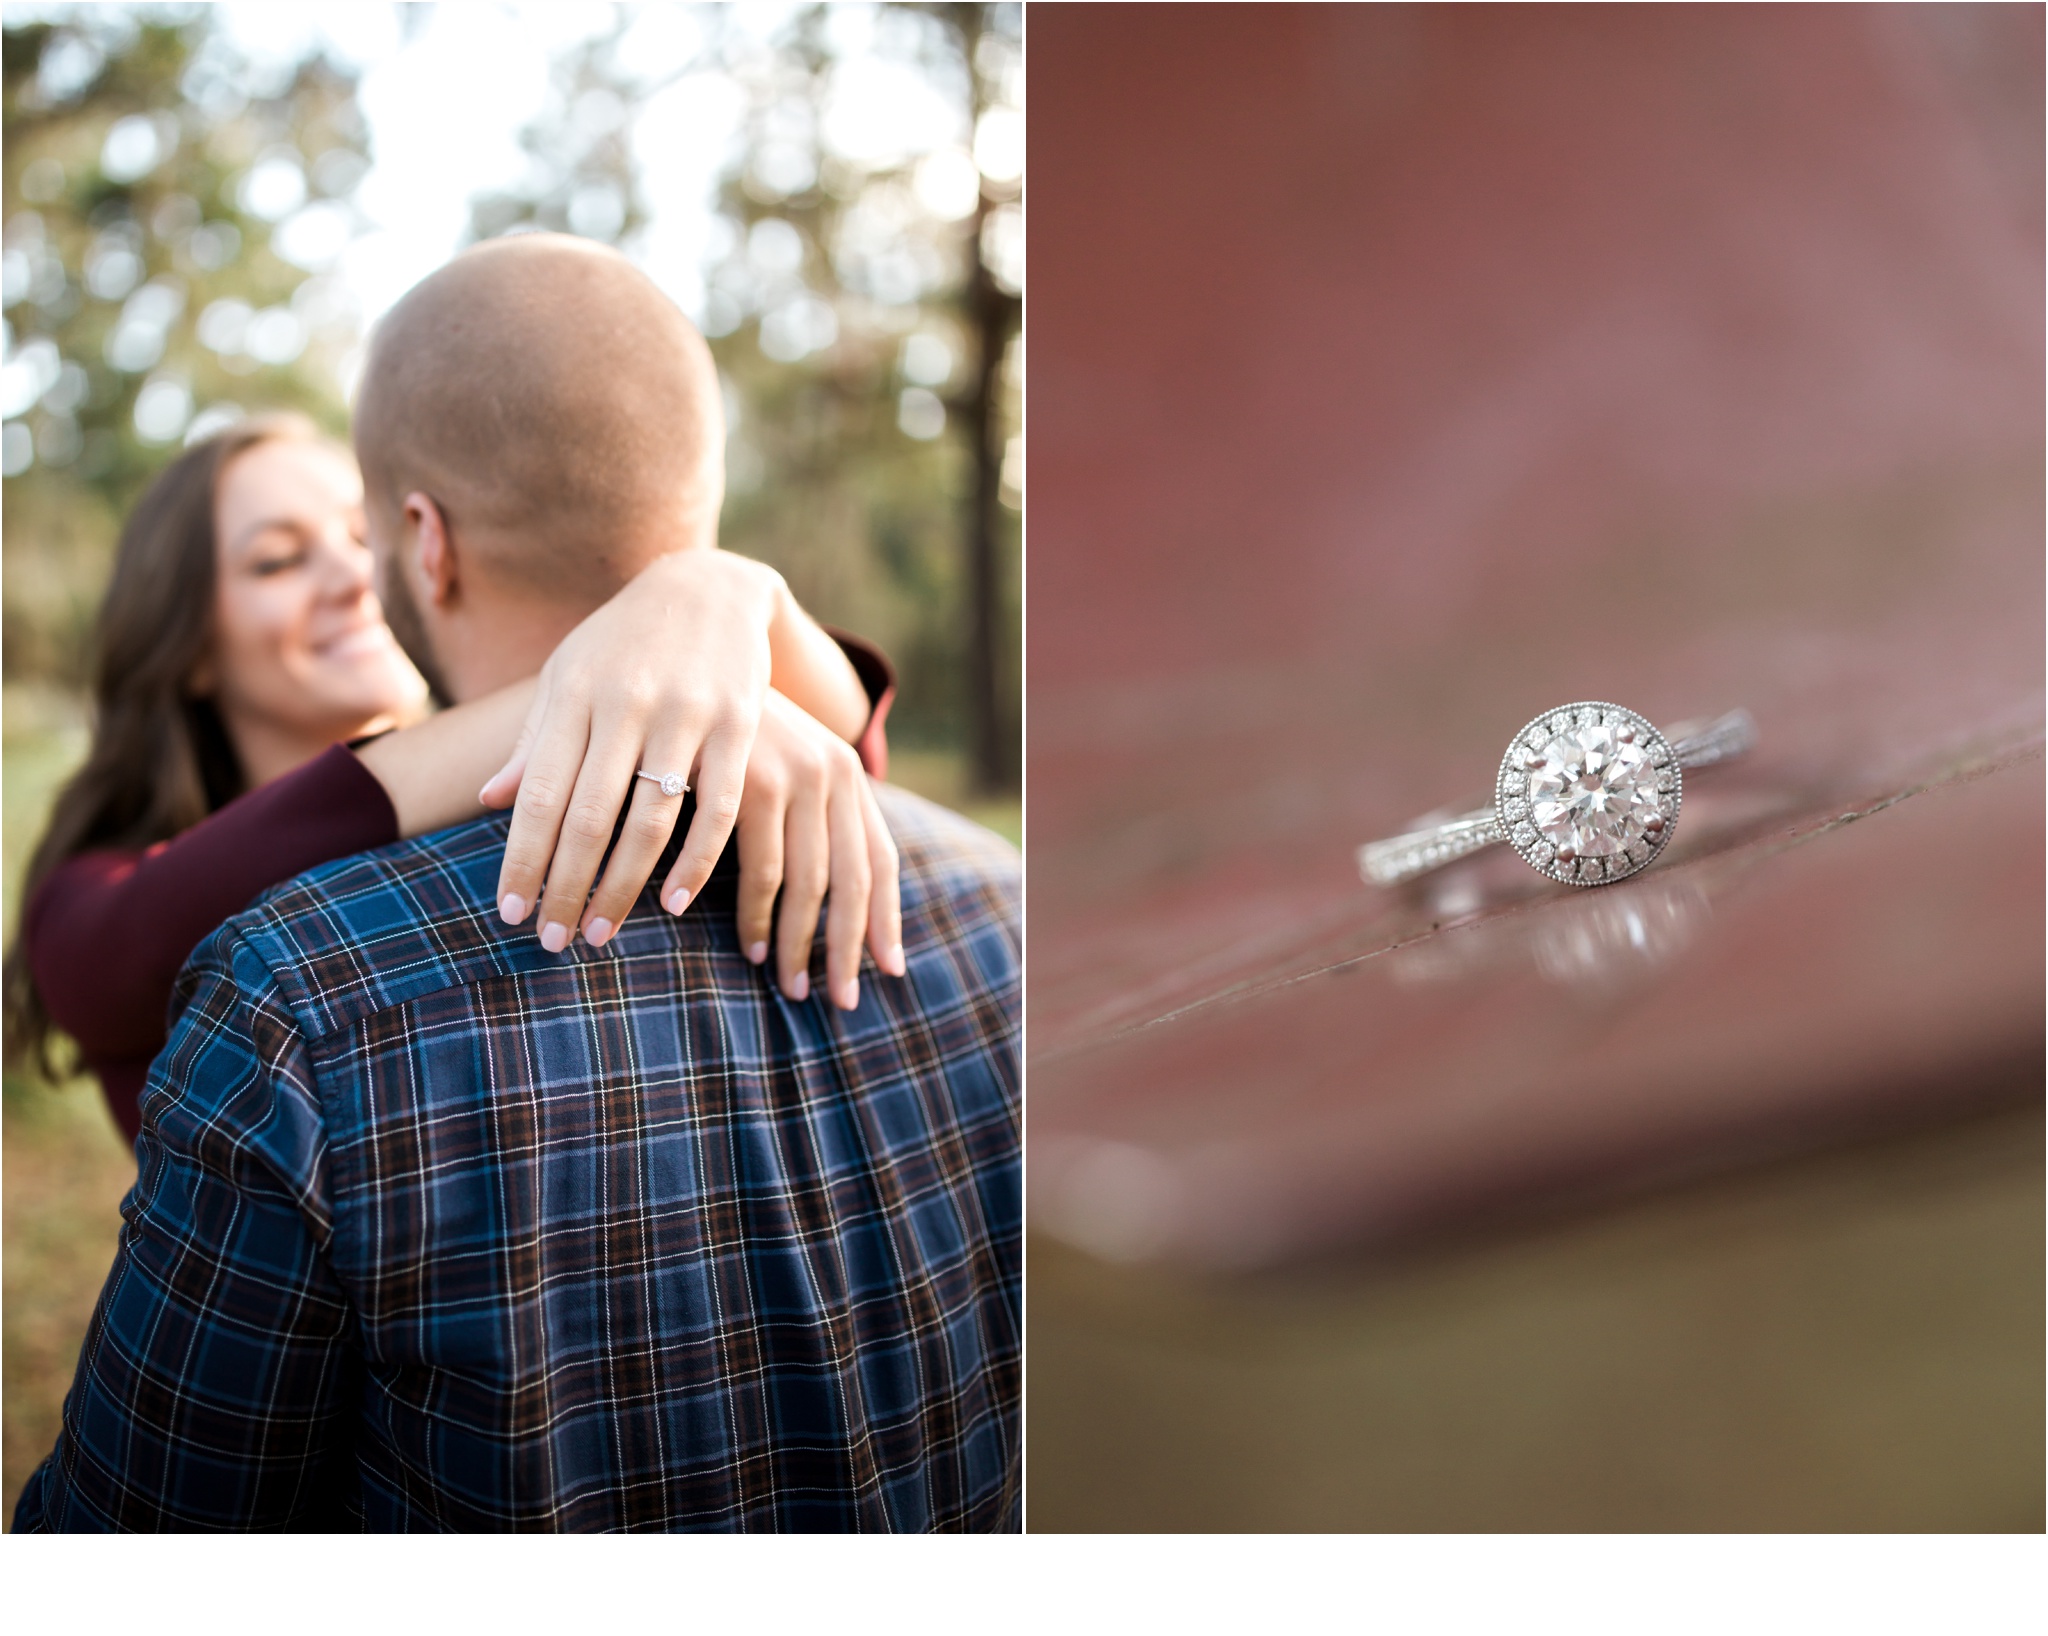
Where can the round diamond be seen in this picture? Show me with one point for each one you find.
(672, 784)
(1588, 793)
(1593, 790)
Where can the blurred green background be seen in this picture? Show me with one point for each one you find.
(205, 208)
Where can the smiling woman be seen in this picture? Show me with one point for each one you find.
(301, 656)
(185, 724)
(163, 754)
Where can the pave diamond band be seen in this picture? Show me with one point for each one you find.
(671, 783)
(1588, 793)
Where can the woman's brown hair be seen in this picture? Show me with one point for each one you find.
(160, 758)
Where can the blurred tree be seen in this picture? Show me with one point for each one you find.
(171, 210)
(167, 211)
(864, 307)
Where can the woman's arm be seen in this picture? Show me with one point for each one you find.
(812, 671)
(433, 770)
(670, 676)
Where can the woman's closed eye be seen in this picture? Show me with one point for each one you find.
(278, 560)
(277, 547)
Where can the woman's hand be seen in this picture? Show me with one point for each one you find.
(809, 827)
(670, 676)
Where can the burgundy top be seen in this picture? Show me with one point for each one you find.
(108, 931)
(878, 677)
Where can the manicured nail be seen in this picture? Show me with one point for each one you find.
(848, 997)
(678, 900)
(554, 937)
(757, 952)
(513, 907)
(800, 986)
(598, 932)
(895, 965)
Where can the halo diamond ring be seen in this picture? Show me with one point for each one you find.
(671, 783)
(1588, 793)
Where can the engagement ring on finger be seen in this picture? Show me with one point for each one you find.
(671, 783)
(1588, 794)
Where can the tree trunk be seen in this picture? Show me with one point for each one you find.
(993, 312)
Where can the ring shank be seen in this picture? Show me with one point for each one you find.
(1701, 745)
(1403, 857)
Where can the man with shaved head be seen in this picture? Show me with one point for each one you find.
(443, 1224)
(570, 458)
(558, 411)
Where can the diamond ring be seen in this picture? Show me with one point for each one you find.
(671, 783)
(1588, 793)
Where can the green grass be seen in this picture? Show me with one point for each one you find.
(42, 738)
(65, 1165)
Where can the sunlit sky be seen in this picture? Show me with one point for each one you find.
(447, 90)
(446, 105)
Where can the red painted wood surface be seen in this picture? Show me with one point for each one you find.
(1396, 374)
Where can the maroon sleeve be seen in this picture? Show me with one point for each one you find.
(108, 931)
(878, 676)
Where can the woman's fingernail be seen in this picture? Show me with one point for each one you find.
(597, 932)
(896, 965)
(757, 952)
(800, 986)
(678, 900)
(554, 937)
(849, 995)
(513, 907)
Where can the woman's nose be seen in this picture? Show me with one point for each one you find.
(346, 565)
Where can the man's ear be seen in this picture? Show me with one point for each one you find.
(433, 547)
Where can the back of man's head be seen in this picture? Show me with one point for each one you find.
(560, 409)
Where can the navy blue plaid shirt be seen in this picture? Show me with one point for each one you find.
(436, 1230)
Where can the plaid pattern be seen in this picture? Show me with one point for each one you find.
(436, 1230)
